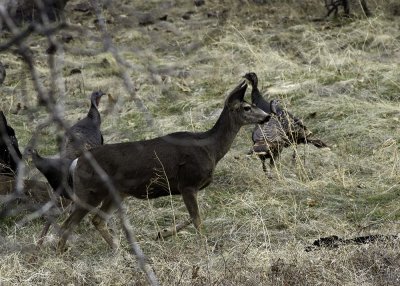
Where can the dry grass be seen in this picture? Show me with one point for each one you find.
(345, 71)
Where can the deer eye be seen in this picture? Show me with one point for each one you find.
(247, 108)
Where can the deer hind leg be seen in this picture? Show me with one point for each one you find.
(75, 217)
(100, 221)
(81, 207)
(43, 233)
(189, 196)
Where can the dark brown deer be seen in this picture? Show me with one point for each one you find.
(180, 163)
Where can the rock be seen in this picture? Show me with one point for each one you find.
(83, 7)
(163, 18)
(75, 71)
(187, 15)
(146, 19)
(66, 38)
(199, 3)
(260, 2)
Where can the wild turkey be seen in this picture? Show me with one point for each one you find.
(85, 134)
(9, 150)
(56, 171)
(2, 73)
(281, 131)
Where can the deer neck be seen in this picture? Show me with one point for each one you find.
(222, 134)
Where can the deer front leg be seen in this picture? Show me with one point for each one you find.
(170, 232)
(189, 196)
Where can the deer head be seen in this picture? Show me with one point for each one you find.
(244, 112)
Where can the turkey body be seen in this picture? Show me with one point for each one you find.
(281, 131)
(85, 134)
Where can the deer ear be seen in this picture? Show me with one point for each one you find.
(237, 94)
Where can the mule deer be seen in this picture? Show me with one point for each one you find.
(186, 159)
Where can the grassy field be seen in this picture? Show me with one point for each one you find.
(341, 76)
